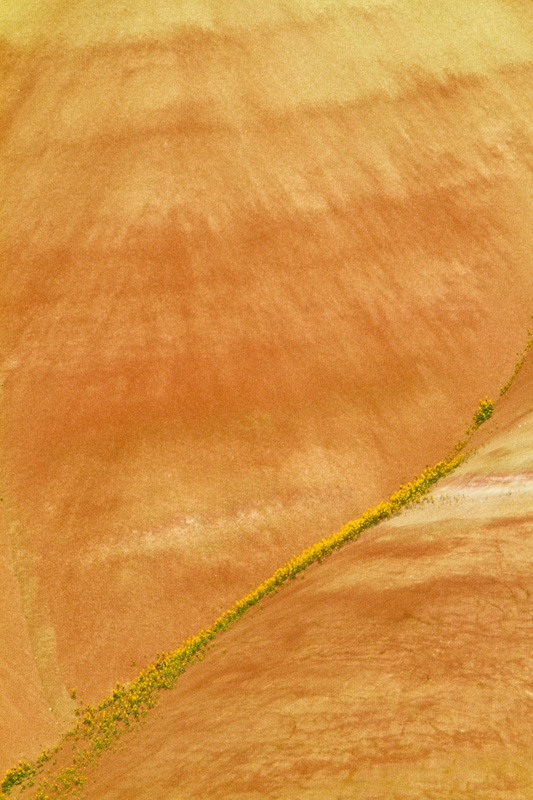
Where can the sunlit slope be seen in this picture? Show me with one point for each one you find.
(400, 667)
(257, 268)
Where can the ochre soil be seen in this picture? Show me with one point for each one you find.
(401, 667)
(258, 267)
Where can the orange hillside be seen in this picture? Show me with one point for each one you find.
(259, 264)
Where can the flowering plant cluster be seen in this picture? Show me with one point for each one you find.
(486, 407)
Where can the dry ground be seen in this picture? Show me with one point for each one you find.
(401, 667)
(258, 267)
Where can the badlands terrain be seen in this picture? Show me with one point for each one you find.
(259, 263)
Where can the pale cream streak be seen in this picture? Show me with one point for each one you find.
(433, 32)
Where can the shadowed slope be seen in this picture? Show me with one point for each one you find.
(252, 278)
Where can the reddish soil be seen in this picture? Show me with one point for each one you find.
(400, 667)
(256, 271)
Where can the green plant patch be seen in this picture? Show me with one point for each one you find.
(484, 412)
(17, 775)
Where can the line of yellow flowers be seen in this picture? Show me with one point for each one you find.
(99, 726)
(519, 363)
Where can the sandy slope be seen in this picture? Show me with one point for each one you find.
(401, 667)
(257, 268)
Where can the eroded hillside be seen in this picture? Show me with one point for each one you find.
(400, 667)
(257, 268)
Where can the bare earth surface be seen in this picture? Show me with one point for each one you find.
(401, 667)
(258, 265)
